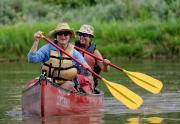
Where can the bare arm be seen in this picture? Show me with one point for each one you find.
(103, 65)
(37, 37)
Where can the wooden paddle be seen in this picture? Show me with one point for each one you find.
(149, 83)
(121, 93)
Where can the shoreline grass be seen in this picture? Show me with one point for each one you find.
(145, 39)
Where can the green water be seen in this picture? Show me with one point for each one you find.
(162, 108)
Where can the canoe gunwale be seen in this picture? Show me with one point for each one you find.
(38, 82)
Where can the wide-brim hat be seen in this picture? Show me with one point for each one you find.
(88, 29)
(61, 27)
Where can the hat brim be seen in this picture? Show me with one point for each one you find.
(85, 33)
(54, 32)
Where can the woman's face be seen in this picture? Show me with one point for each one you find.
(85, 39)
(63, 37)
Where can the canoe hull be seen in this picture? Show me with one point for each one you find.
(43, 98)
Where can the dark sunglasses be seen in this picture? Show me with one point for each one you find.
(65, 33)
(83, 34)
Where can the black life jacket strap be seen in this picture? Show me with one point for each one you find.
(59, 79)
(57, 68)
(63, 58)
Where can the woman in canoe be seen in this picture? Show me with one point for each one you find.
(86, 35)
(59, 67)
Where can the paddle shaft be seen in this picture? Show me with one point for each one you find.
(62, 50)
(97, 57)
(143, 80)
(121, 93)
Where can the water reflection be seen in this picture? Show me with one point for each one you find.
(164, 102)
(151, 120)
(154, 120)
(73, 119)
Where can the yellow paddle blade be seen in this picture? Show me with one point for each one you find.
(124, 95)
(151, 84)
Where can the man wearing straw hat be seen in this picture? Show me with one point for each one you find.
(59, 67)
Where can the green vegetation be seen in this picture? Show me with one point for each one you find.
(123, 28)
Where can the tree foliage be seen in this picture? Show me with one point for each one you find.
(16, 11)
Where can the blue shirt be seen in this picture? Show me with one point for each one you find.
(43, 55)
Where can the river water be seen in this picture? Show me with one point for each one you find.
(162, 108)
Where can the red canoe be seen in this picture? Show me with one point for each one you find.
(44, 98)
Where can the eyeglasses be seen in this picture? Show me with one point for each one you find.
(65, 33)
(83, 34)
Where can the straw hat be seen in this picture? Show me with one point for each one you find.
(60, 28)
(88, 29)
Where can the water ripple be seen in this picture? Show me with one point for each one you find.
(153, 104)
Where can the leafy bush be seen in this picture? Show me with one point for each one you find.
(32, 11)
